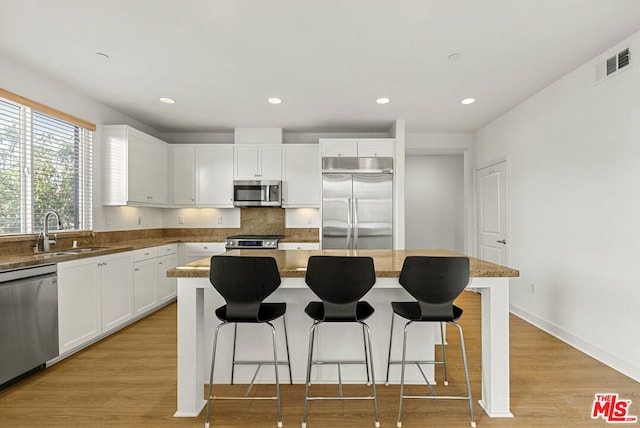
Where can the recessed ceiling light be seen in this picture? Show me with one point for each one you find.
(454, 57)
(167, 100)
(383, 100)
(468, 101)
(274, 100)
(102, 55)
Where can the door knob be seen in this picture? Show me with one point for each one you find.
(502, 241)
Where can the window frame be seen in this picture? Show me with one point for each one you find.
(82, 140)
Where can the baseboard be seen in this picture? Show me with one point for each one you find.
(625, 367)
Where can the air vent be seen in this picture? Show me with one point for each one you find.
(613, 65)
(623, 58)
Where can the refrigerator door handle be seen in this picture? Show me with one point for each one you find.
(349, 224)
(355, 223)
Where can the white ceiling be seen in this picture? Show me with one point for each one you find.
(328, 60)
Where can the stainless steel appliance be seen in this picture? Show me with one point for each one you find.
(357, 203)
(28, 320)
(260, 242)
(257, 193)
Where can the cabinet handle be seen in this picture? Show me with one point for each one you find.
(206, 248)
(136, 269)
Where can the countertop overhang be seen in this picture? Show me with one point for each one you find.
(388, 263)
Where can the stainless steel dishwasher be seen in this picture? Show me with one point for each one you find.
(28, 321)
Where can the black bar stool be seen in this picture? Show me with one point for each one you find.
(340, 282)
(434, 282)
(244, 282)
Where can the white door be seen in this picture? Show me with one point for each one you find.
(491, 191)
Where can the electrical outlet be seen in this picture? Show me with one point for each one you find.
(533, 288)
(108, 220)
(181, 219)
(219, 219)
(139, 219)
(309, 220)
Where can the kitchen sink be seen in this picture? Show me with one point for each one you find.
(73, 251)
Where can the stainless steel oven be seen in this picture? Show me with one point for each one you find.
(259, 242)
(257, 193)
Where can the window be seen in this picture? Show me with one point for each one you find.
(45, 164)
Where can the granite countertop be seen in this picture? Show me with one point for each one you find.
(34, 259)
(388, 263)
(60, 255)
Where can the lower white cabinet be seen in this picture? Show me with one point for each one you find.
(95, 295)
(167, 259)
(151, 284)
(145, 279)
(98, 295)
(116, 281)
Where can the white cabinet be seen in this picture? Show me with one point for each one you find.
(198, 250)
(135, 167)
(145, 279)
(151, 285)
(167, 259)
(301, 176)
(183, 174)
(299, 246)
(202, 175)
(357, 147)
(214, 175)
(339, 147)
(94, 296)
(79, 303)
(257, 162)
(116, 282)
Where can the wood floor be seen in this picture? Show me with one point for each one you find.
(129, 380)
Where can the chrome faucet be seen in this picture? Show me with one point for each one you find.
(46, 242)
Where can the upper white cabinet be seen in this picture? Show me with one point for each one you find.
(301, 175)
(135, 167)
(332, 148)
(203, 175)
(257, 162)
(183, 174)
(214, 175)
(357, 147)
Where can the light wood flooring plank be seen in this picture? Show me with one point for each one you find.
(129, 380)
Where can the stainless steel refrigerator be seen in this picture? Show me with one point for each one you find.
(357, 203)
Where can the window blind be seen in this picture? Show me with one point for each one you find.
(45, 164)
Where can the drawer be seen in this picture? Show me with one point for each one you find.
(204, 247)
(299, 246)
(164, 250)
(145, 253)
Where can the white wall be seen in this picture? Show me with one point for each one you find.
(434, 196)
(439, 144)
(22, 80)
(574, 155)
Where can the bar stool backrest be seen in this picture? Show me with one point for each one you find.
(340, 282)
(435, 282)
(244, 282)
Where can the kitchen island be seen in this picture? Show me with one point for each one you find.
(197, 299)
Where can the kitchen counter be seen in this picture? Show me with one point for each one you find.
(57, 255)
(197, 299)
(388, 263)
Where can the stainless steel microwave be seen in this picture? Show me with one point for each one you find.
(257, 193)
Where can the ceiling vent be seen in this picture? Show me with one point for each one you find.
(613, 65)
